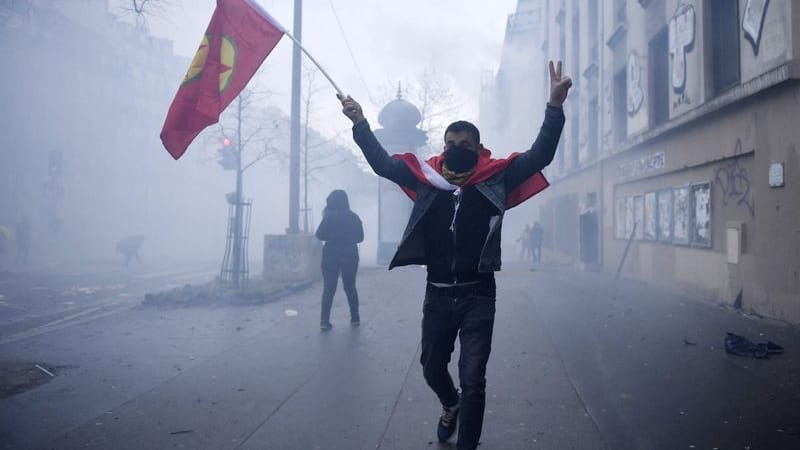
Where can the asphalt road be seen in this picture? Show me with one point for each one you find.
(578, 362)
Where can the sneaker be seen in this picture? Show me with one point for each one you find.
(325, 326)
(355, 322)
(448, 422)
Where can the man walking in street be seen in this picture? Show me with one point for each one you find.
(454, 229)
(537, 236)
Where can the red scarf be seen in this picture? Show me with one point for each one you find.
(429, 172)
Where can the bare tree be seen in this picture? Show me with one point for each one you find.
(243, 126)
(142, 9)
(318, 153)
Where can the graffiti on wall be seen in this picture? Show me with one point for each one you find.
(753, 22)
(635, 91)
(681, 42)
(734, 182)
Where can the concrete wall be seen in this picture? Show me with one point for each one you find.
(733, 151)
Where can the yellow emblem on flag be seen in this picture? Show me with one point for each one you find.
(227, 61)
(198, 62)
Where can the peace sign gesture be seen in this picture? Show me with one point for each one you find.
(559, 85)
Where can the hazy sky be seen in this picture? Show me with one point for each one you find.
(391, 41)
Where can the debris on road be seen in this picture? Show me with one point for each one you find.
(44, 370)
(740, 345)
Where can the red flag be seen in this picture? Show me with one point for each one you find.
(430, 172)
(237, 40)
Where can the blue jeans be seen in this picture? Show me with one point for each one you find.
(466, 313)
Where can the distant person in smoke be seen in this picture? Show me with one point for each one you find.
(460, 197)
(341, 230)
(524, 241)
(537, 236)
(129, 248)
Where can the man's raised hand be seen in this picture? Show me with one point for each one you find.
(559, 85)
(351, 109)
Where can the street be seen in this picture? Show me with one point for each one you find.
(579, 361)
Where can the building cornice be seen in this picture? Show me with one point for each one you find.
(742, 92)
(776, 76)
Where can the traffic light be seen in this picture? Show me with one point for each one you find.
(227, 153)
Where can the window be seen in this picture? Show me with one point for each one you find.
(594, 114)
(723, 41)
(681, 215)
(650, 216)
(658, 50)
(701, 217)
(620, 106)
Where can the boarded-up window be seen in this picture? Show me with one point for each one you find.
(701, 219)
(629, 216)
(638, 214)
(650, 216)
(681, 215)
(619, 218)
(665, 215)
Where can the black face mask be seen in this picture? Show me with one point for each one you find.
(460, 159)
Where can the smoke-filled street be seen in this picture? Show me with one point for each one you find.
(579, 361)
(399, 225)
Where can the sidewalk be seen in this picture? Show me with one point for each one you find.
(578, 362)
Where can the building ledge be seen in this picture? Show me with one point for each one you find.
(785, 72)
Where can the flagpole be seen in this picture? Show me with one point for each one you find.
(338, 91)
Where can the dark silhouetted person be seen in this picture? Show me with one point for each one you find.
(537, 236)
(460, 197)
(341, 231)
(129, 247)
(23, 232)
(524, 241)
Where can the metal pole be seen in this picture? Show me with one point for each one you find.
(625, 253)
(237, 232)
(294, 134)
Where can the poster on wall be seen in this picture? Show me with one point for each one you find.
(701, 219)
(629, 217)
(665, 215)
(681, 213)
(650, 224)
(638, 214)
(619, 218)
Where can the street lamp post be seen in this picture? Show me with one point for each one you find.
(294, 132)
